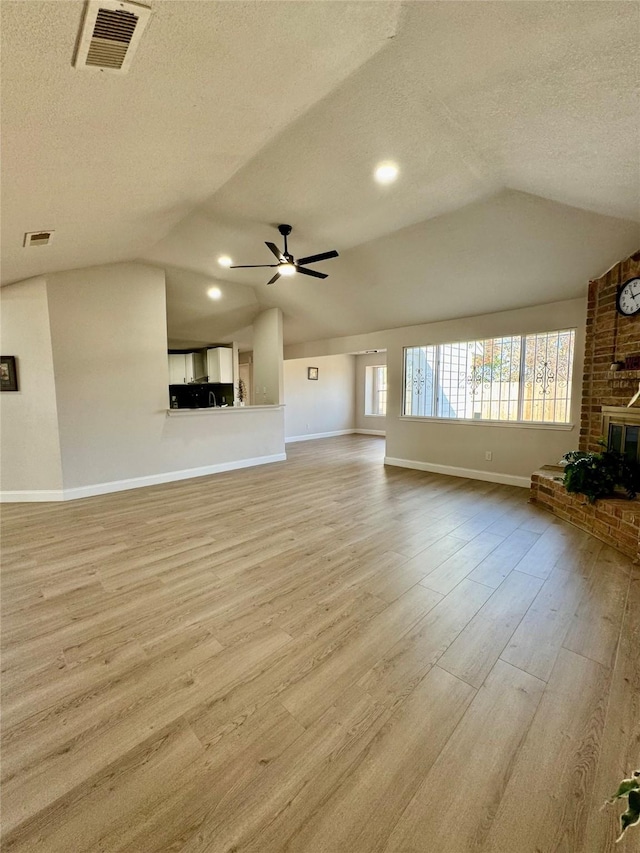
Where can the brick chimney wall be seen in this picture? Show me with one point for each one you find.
(610, 337)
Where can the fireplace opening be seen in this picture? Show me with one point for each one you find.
(621, 430)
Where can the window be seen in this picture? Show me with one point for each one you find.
(375, 401)
(520, 378)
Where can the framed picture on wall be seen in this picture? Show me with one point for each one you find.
(312, 373)
(8, 373)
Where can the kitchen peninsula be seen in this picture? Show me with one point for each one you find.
(219, 410)
(213, 439)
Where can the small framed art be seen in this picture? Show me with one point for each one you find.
(8, 373)
(312, 373)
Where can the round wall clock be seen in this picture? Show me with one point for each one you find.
(628, 299)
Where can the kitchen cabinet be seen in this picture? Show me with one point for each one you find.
(181, 368)
(220, 364)
(187, 367)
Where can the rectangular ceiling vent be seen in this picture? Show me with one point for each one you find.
(38, 238)
(110, 35)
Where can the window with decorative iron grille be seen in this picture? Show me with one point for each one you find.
(518, 378)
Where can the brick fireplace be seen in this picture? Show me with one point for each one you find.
(611, 339)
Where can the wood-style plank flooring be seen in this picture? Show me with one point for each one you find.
(322, 655)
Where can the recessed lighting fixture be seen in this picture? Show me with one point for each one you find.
(214, 293)
(287, 269)
(225, 261)
(386, 173)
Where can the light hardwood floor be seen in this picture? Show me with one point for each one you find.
(318, 656)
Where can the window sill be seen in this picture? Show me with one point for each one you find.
(374, 416)
(509, 424)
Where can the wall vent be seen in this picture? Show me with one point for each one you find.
(110, 35)
(38, 238)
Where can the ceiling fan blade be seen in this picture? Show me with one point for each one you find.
(275, 278)
(250, 266)
(276, 251)
(312, 272)
(324, 256)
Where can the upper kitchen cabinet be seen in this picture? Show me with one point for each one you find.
(186, 367)
(220, 364)
(181, 368)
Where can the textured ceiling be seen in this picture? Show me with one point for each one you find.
(196, 320)
(516, 127)
(112, 162)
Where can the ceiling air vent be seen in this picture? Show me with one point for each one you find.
(38, 238)
(110, 35)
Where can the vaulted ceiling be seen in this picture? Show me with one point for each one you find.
(516, 127)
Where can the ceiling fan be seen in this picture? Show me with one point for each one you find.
(287, 264)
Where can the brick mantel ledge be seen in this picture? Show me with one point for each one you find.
(615, 521)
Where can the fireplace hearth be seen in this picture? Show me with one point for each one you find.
(616, 521)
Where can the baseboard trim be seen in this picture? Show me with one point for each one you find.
(314, 435)
(34, 496)
(467, 473)
(135, 482)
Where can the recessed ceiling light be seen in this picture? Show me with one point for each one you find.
(386, 173)
(287, 269)
(225, 261)
(214, 293)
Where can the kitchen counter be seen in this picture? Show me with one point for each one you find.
(218, 410)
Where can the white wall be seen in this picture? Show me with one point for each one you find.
(109, 351)
(30, 442)
(363, 421)
(460, 447)
(317, 407)
(108, 329)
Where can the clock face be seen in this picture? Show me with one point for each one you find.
(628, 301)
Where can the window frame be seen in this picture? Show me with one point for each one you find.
(372, 391)
(493, 422)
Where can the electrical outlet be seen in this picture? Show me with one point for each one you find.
(488, 455)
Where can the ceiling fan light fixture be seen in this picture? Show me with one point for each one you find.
(386, 173)
(286, 264)
(225, 261)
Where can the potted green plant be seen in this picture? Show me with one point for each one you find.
(241, 393)
(598, 475)
(629, 789)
